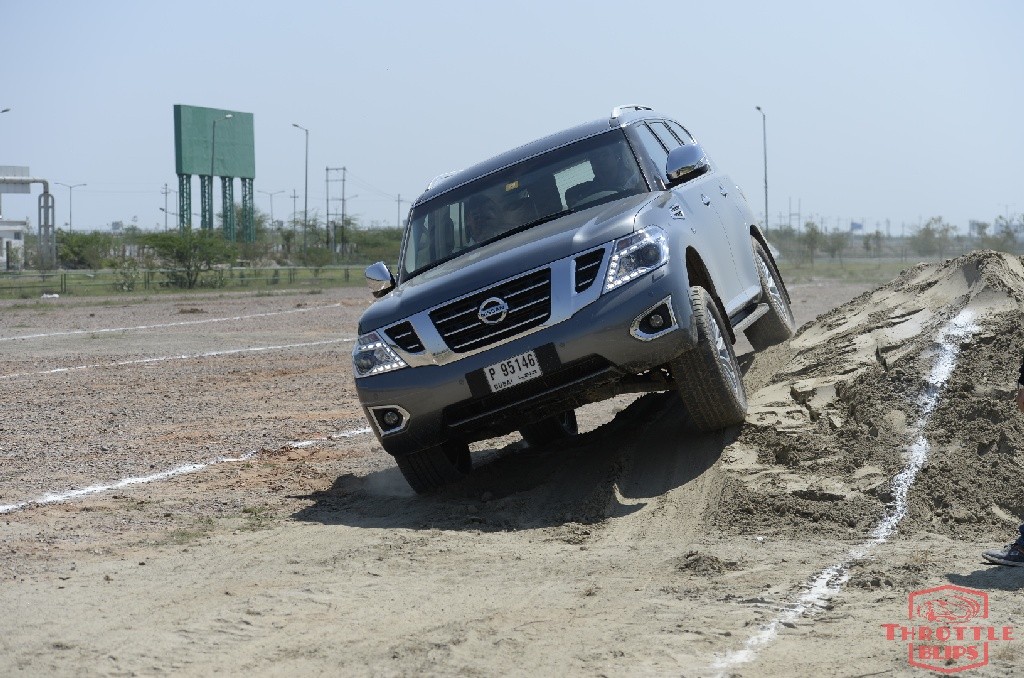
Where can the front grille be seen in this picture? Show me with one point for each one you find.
(529, 305)
(587, 266)
(405, 337)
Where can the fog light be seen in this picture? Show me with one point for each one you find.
(390, 418)
(655, 321)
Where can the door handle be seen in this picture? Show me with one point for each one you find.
(704, 199)
(722, 189)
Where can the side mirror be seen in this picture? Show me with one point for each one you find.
(685, 163)
(379, 279)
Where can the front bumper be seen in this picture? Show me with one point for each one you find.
(581, 359)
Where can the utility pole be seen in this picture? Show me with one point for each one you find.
(305, 206)
(165, 205)
(399, 220)
(295, 208)
(344, 172)
(333, 231)
(327, 210)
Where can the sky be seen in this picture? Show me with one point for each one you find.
(887, 113)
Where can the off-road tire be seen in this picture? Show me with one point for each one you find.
(434, 467)
(708, 377)
(778, 324)
(558, 427)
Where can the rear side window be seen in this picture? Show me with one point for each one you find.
(681, 132)
(666, 136)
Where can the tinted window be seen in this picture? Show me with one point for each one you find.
(665, 135)
(681, 132)
(653, 148)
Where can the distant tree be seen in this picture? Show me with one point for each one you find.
(78, 249)
(787, 240)
(932, 238)
(835, 243)
(188, 254)
(875, 241)
(812, 240)
(1003, 239)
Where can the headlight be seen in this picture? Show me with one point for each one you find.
(372, 356)
(635, 255)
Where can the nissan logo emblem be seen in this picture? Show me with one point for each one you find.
(492, 311)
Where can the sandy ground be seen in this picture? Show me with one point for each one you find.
(188, 487)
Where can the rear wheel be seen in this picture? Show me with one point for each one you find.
(434, 467)
(708, 377)
(778, 324)
(558, 427)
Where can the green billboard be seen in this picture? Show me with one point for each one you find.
(214, 142)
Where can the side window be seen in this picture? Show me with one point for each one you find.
(665, 135)
(654, 150)
(681, 132)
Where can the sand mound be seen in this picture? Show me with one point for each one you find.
(926, 364)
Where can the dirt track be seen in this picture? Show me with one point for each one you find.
(642, 549)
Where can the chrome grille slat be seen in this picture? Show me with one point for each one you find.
(529, 304)
(405, 337)
(587, 267)
(511, 327)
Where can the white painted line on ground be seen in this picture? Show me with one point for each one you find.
(332, 436)
(830, 581)
(163, 325)
(61, 497)
(193, 356)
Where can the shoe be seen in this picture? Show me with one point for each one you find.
(1011, 554)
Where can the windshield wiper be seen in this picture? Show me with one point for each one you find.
(538, 222)
(517, 229)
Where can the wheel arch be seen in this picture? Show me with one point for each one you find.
(757, 235)
(697, 274)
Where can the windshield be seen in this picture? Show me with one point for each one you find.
(570, 178)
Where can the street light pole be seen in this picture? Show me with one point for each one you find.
(764, 137)
(271, 204)
(213, 157)
(305, 198)
(71, 192)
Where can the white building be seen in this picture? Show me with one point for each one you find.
(12, 244)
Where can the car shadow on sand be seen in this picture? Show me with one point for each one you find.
(647, 450)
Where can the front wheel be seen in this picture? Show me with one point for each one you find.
(434, 467)
(708, 377)
(558, 427)
(778, 324)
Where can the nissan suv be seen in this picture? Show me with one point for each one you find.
(612, 257)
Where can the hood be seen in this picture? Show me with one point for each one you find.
(507, 257)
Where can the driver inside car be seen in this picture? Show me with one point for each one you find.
(613, 173)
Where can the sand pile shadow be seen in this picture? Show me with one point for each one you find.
(836, 410)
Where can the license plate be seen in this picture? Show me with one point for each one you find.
(515, 370)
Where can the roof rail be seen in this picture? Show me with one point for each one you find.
(617, 112)
(439, 178)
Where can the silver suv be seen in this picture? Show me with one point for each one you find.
(613, 257)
